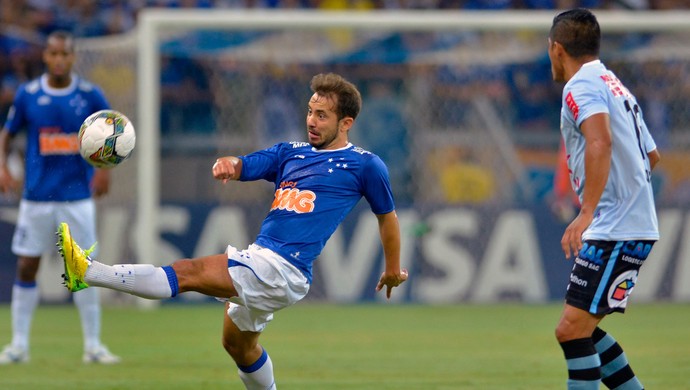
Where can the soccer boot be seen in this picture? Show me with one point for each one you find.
(100, 355)
(13, 355)
(76, 260)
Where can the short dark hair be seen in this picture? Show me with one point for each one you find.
(349, 100)
(577, 30)
(62, 35)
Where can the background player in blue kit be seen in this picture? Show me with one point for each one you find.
(317, 183)
(610, 156)
(58, 186)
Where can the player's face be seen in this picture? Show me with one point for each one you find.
(59, 58)
(557, 71)
(324, 130)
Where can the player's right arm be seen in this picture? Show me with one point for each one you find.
(393, 275)
(598, 140)
(8, 183)
(227, 168)
(16, 120)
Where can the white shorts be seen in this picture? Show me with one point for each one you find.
(265, 283)
(38, 222)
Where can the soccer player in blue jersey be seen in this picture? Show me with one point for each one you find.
(610, 156)
(58, 186)
(317, 183)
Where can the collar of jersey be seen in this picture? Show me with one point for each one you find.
(349, 145)
(58, 91)
(591, 63)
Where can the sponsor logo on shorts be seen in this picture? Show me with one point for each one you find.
(587, 264)
(637, 249)
(621, 288)
(591, 253)
(631, 260)
(580, 282)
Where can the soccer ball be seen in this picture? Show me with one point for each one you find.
(106, 138)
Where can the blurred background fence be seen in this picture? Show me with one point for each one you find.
(466, 118)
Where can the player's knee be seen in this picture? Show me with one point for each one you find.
(571, 330)
(27, 270)
(560, 335)
(238, 351)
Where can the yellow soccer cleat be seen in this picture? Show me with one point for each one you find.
(76, 259)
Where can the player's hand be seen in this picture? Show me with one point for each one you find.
(8, 184)
(571, 243)
(224, 169)
(390, 280)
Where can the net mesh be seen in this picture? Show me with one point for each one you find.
(465, 117)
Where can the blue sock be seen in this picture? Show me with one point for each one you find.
(259, 375)
(615, 369)
(584, 371)
(172, 279)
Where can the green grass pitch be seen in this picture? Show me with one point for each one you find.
(325, 346)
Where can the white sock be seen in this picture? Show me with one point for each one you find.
(88, 304)
(142, 280)
(258, 376)
(24, 301)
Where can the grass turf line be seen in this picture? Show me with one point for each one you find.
(325, 346)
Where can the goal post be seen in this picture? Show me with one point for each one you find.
(155, 25)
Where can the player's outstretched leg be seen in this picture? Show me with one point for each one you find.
(615, 370)
(142, 280)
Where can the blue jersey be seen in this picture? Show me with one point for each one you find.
(55, 171)
(626, 209)
(314, 191)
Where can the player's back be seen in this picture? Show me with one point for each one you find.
(626, 208)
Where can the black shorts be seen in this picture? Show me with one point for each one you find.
(605, 273)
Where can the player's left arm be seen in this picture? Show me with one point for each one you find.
(393, 275)
(654, 158)
(100, 182)
(598, 142)
(649, 145)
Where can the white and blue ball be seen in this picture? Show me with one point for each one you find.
(106, 138)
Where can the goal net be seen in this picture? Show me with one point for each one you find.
(460, 105)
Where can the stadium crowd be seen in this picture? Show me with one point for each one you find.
(24, 23)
